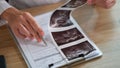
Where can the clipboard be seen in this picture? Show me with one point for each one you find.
(67, 43)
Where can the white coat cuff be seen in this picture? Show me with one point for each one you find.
(3, 6)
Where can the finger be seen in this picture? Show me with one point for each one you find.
(33, 23)
(39, 37)
(23, 30)
(37, 30)
(40, 32)
(26, 25)
(110, 3)
(16, 31)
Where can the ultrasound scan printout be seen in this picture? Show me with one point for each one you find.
(67, 36)
(74, 3)
(79, 50)
(60, 18)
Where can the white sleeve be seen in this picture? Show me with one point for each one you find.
(3, 6)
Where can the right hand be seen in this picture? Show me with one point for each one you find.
(102, 3)
(22, 24)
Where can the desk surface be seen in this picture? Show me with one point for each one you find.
(103, 28)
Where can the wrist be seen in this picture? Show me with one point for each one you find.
(10, 13)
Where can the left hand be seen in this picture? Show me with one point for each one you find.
(102, 3)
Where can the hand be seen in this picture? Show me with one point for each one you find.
(102, 3)
(22, 24)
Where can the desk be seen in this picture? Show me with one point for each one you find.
(104, 31)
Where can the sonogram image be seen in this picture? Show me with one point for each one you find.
(60, 18)
(79, 50)
(67, 36)
(74, 3)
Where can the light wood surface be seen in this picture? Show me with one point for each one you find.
(101, 25)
